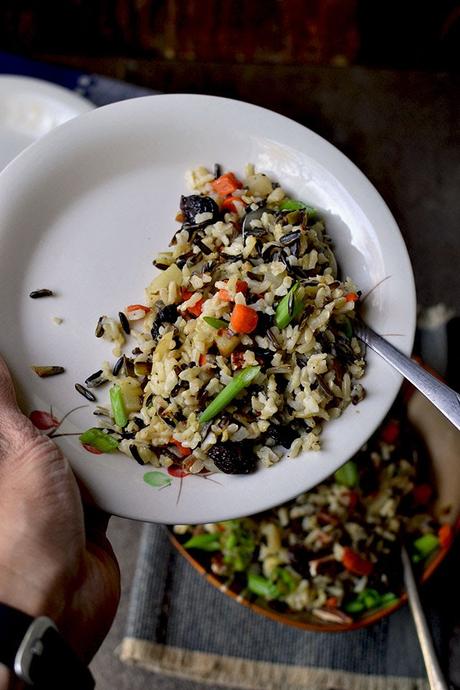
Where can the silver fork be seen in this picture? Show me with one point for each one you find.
(433, 669)
(444, 398)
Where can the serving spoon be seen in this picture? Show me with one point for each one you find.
(441, 396)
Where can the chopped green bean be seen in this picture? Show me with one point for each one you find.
(426, 544)
(289, 308)
(263, 587)
(243, 379)
(215, 323)
(118, 406)
(347, 475)
(205, 542)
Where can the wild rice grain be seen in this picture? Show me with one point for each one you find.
(85, 392)
(135, 453)
(44, 372)
(124, 322)
(36, 294)
(96, 379)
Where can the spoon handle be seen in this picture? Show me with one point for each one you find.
(433, 670)
(442, 397)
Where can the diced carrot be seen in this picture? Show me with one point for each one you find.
(422, 494)
(390, 432)
(229, 205)
(183, 450)
(226, 184)
(332, 602)
(446, 536)
(197, 308)
(202, 360)
(243, 319)
(353, 562)
(241, 286)
(352, 297)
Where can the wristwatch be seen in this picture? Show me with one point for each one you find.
(38, 654)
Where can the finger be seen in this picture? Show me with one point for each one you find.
(15, 428)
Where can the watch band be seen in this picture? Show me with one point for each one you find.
(38, 654)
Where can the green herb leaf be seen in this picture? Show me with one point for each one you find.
(215, 323)
(243, 379)
(294, 205)
(289, 308)
(347, 475)
(118, 406)
(205, 542)
(157, 479)
(98, 439)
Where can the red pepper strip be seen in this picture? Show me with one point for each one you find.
(183, 450)
(446, 536)
(135, 307)
(353, 562)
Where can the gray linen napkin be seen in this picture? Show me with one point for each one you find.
(180, 625)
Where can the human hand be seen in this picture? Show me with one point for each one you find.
(55, 558)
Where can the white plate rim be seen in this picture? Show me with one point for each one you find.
(341, 166)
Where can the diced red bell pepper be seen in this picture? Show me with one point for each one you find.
(390, 432)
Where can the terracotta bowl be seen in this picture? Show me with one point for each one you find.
(443, 444)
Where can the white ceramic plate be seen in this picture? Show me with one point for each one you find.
(30, 108)
(84, 211)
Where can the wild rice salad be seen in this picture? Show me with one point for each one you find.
(245, 341)
(335, 551)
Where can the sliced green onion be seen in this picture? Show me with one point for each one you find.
(289, 308)
(263, 587)
(215, 323)
(287, 579)
(426, 544)
(294, 205)
(96, 438)
(346, 328)
(371, 598)
(354, 606)
(118, 406)
(205, 542)
(243, 379)
(347, 475)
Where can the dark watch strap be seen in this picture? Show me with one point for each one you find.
(36, 652)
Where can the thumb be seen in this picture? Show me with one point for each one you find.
(15, 428)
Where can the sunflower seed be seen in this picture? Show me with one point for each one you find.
(290, 237)
(85, 392)
(96, 379)
(118, 365)
(44, 372)
(100, 327)
(35, 294)
(124, 322)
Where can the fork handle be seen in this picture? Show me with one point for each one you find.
(444, 398)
